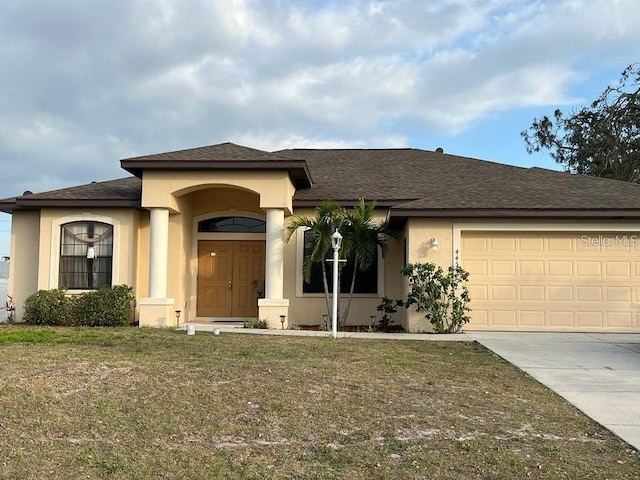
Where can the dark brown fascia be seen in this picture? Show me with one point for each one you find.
(21, 204)
(516, 212)
(7, 205)
(298, 170)
(398, 218)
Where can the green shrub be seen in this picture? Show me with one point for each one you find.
(47, 307)
(255, 323)
(387, 307)
(104, 307)
(442, 296)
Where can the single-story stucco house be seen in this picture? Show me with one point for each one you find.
(201, 231)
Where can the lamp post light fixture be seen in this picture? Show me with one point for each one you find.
(177, 318)
(282, 317)
(336, 243)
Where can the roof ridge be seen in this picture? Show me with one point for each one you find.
(205, 148)
(348, 149)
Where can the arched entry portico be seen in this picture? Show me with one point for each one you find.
(190, 199)
(229, 275)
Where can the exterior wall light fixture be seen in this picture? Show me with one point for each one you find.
(434, 244)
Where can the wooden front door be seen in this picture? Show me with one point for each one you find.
(230, 274)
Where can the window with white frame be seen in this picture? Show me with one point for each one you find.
(86, 255)
(366, 281)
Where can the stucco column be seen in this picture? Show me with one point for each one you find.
(157, 310)
(274, 280)
(273, 306)
(158, 252)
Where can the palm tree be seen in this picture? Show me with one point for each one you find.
(328, 218)
(362, 237)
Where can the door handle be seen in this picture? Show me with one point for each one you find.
(229, 283)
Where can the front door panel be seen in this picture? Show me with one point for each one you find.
(248, 277)
(215, 271)
(230, 274)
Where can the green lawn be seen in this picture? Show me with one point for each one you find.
(137, 403)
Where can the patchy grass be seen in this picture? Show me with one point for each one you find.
(136, 403)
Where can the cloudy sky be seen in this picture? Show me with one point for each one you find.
(84, 84)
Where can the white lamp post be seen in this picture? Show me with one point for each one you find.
(336, 242)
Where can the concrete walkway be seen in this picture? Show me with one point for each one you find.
(598, 373)
(209, 328)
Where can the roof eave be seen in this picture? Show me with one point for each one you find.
(24, 204)
(518, 212)
(298, 169)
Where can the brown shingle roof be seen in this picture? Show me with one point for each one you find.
(412, 182)
(391, 176)
(223, 156)
(533, 188)
(123, 192)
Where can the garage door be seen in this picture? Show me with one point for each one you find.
(553, 281)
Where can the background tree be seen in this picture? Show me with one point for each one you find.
(602, 139)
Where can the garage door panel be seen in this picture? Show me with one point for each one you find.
(481, 318)
(531, 244)
(503, 318)
(589, 320)
(589, 293)
(588, 268)
(531, 267)
(560, 293)
(532, 318)
(618, 269)
(565, 245)
(618, 294)
(474, 244)
(552, 281)
(559, 268)
(503, 244)
(477, 267)
(479, 292)
(619, 319)
(503, 267)
(617, 243)
(503, 293)
(532, 293)
(561, 319)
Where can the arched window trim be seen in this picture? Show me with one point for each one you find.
(54, 245)
(86, 255)
(235, 220)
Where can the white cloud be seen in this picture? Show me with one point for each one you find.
(92, 82)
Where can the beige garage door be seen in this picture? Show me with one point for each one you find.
(553, 281)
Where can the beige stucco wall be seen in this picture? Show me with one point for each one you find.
(23, 268)
(222, 199)
(163, 188)
(419, 232)
(125, 232)
(308, 309)
(35, 247)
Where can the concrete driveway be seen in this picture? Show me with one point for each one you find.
(598, 373)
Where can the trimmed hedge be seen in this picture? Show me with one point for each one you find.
(104, 307)
(47, 307)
